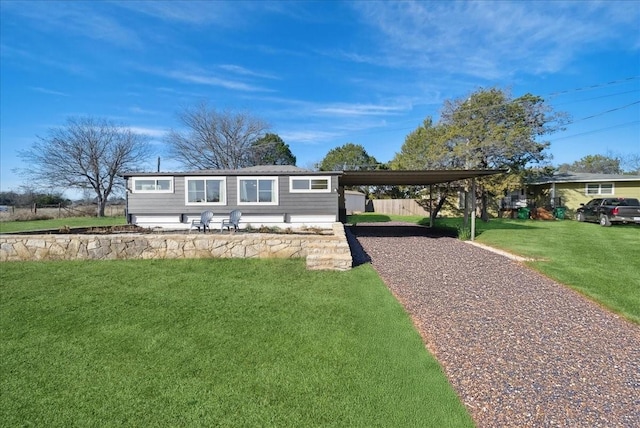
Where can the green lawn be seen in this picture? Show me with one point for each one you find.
(222, 342)
(25, 226)
(600, 262)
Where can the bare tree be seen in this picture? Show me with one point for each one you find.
(631, 163)
(86, 153)
(215, 140)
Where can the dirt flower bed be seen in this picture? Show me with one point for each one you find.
(132, 228)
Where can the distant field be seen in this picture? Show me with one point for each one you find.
(57, 223)
(26, 213)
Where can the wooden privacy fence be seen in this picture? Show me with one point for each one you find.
(398, 207)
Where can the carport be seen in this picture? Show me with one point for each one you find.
(412, 178)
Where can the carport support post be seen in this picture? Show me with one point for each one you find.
(473, 209)
(431, 205)
(342, 205)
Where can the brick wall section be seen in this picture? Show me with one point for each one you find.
(322, 252)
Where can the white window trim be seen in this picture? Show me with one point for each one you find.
(310, 177)
(275, 189)
(586, 189)
(223, 199)
(134, 179)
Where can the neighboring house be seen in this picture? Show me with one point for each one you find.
(571, 189)
(276, 195)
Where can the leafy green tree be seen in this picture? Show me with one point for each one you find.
(9, 198)
(594, 164)
(271, 150)
(429, 147)
(351, 157)
(52, 199)
(490, 129)
(348, 157)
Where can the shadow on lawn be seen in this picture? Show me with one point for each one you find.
(482, 226)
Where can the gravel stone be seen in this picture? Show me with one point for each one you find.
(520, 349)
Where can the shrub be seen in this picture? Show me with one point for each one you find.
(464, 233)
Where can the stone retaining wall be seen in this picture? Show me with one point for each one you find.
(321, 251)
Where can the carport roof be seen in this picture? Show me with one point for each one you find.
(414, 177)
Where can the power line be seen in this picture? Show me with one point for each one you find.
(568, 123)
(605, 112)
(596, 86)
(621, 125)
(599, 97)
(544, 97)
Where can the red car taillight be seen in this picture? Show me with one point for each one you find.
(615, 211)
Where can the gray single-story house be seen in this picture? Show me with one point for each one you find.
(274, 195)
(269, 195)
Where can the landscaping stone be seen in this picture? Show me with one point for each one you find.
(321, 251)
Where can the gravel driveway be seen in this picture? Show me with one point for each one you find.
(520, 349)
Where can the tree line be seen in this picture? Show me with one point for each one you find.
(487, 129)
(29, 197)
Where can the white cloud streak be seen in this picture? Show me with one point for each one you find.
(77, 18)
(490, 39)
(151, 132)
(308, 136)
(48, 91)
(239, 70)
(220, 13)
(361, 110)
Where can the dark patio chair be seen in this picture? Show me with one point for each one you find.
(205, 219)
(234, 220)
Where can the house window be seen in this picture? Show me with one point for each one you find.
(599, 189)
(153, 185)
(258, 190)
(309, 184)
(206, 191)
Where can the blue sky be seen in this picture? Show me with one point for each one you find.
(322, 73)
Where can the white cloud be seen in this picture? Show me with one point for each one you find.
(48, 91)
(360, 109)
(236, 69)
(75, 18)
(139, 110)
(23, 57)
(492, 39)
(308, 136)
(192, 74)
(151, 132)
(188, 12)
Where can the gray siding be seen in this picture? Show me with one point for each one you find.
(157, 203)
(288, 203)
